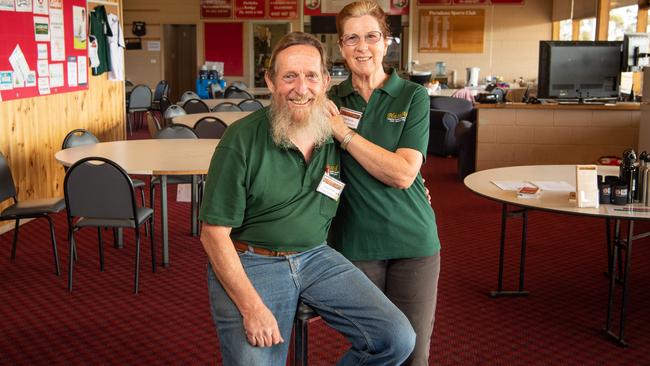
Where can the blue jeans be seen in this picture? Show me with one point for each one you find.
(338, 291)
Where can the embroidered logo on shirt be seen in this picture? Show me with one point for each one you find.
(333, 171)
(396, 117)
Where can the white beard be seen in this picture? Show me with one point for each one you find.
(287, 123)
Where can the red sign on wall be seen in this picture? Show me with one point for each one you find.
(470, 2)
(511, 2)
(434, 2)
(216, 8)
(283, 9)
(249, 8)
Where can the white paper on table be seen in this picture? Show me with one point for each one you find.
(18, 62)
(556, 186)
(512, 185)
(41, 29)
(31, 79)
(6, 80)
(72, 71)
(43, 85)
(82, 69)
(56, 75)
(43, 68)
(41, 50)
(24, 5)
(40, 7)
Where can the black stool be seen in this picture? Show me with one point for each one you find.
(300, 332)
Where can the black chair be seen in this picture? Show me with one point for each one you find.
(442, 135)
(236, 93)
(192, 106)
(189, 95)
(173, 131)
(152, 125)
(139, 102)
(300, 334)
(27, 209)
(171, 112)
(162, 90)
(250, 105)
(99, 193)
(210, 128)
(226, 107)
(458, 139)
(80, 137)
(128, 83)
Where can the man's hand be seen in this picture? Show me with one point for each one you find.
(262, 329)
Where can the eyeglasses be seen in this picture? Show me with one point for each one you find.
(353, 39)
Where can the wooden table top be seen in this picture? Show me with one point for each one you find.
(190, 120)
(481, 184)
(149, 157)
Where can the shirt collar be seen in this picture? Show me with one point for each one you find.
(392, 86)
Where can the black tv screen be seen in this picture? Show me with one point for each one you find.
(573, 69)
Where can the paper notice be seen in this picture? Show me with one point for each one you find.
(18, 62)
(41, 29)
(82, 69)
(6, 80)
(40, 7)
(24, 5)
(42, 67)
(72, 71)
(41, 49)
(57, 35)
(31, 79)
(7, 5)
(18, 80)
(56, 75)
(43, 86)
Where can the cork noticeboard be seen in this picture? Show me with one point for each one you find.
(451, 30)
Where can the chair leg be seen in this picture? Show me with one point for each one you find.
(136, 276)
(71, 259)
(144, 204)
(54, 251)
(129, 119)
(101, 249)
(153, 246)
(15, 242)
(300, 355)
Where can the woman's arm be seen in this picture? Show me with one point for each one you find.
(396, 169)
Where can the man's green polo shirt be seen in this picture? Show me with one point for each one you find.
(375, 221)
(267, 194)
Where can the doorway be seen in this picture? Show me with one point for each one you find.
(264, 38)
(180, 58)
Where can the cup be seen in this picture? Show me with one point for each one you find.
(604, 193)
(619, 194)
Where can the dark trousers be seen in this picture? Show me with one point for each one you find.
(412, 285)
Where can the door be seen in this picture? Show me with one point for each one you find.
(180, 58)
(264, 38)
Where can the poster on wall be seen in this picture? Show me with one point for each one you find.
(79, 27)
(285, 9)
(216, 9)
(7, 5)
(249, 8)
(37, 48)
(332, 7)
(453, 30)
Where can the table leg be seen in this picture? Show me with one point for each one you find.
(195, 204)
(505, 214)
(163, 214)
(619, 246)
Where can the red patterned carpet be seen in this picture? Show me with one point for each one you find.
(168, 323)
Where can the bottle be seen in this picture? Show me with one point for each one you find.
(628, 174)
(642, 181)
(203, 73)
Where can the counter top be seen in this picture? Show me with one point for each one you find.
(620, 106)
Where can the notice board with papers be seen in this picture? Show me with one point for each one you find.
(456, 30)
(43, 47)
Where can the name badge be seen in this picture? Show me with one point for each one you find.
(331, 187)
(350, 117)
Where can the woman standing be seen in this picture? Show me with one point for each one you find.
(385, 224)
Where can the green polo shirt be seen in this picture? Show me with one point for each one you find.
(267, 194)
(375, 221)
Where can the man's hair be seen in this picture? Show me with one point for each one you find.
(359, 9)
(295, 39)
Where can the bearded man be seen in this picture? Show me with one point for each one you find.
(271, 192)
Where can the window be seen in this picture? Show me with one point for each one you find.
(587, 29)
(622, 20)
(566, 30)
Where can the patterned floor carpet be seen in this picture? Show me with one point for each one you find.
(168, 323)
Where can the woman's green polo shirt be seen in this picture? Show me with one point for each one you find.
(375, 221)
(267, 194)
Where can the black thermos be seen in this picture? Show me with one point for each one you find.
(628, 174)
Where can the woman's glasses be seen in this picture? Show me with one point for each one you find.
(354, 39)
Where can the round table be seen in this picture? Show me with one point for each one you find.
(157, 157)
(191, 119)
(482, 184)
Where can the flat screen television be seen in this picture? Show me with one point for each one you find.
(579, 69)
